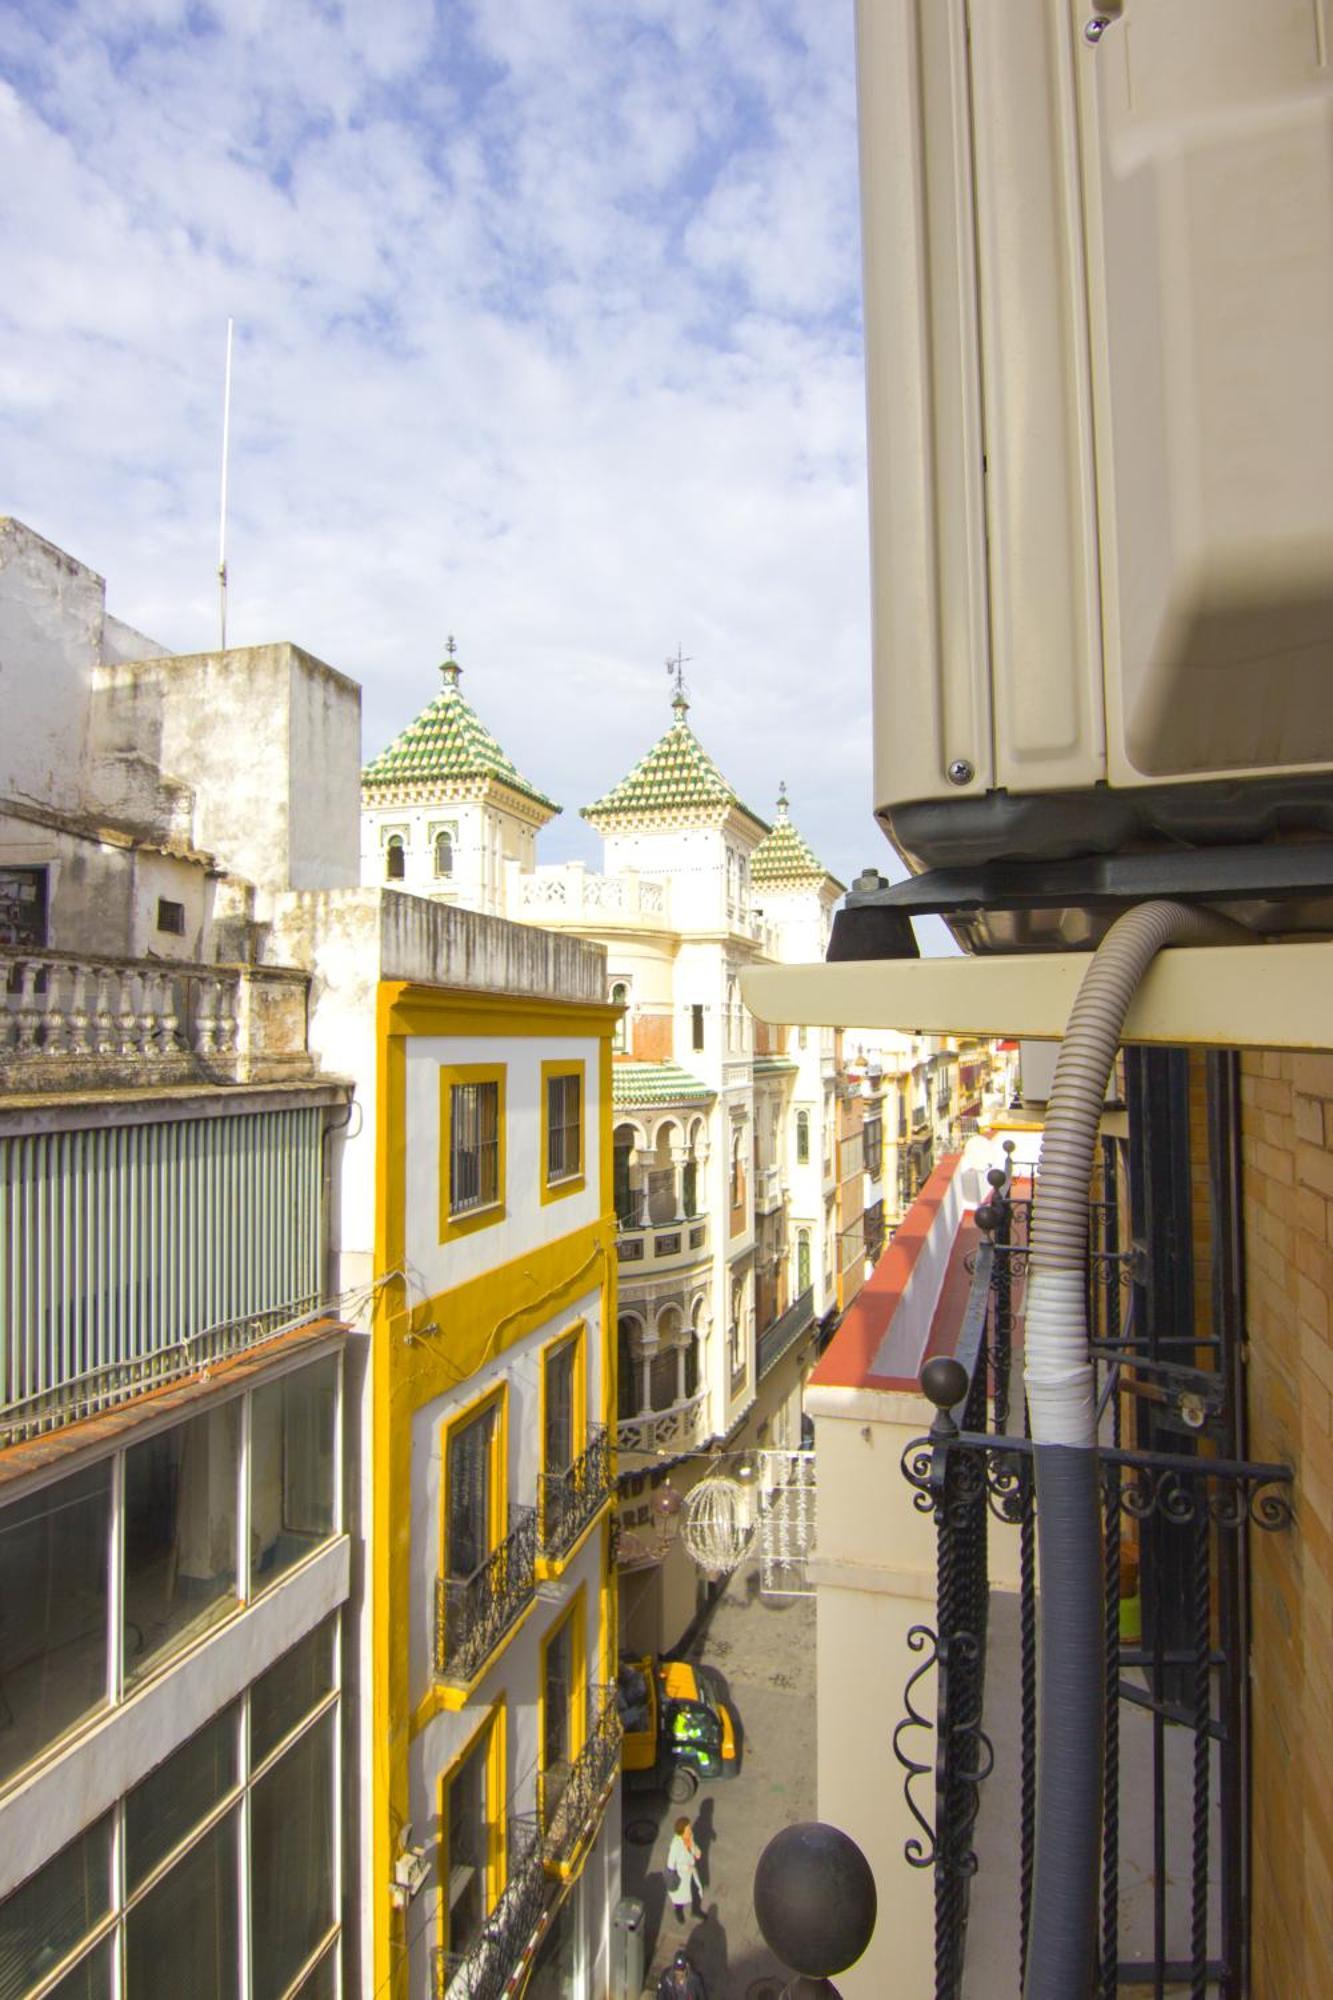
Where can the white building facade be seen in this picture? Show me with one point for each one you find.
(724, 1162)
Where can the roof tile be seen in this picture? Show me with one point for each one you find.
(447, 742)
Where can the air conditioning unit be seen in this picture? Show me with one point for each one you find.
(1099, 323)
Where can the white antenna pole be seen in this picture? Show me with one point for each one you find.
(222, 529)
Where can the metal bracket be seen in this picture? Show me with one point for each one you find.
(875, 921)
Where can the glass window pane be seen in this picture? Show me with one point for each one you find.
(465, 1849)
(180, 1536)
(282, 1697)
(172, 1800)
(184, 1936)
(47, 1915)
(91, 1977)
(559, 1441)
(322, 1983)
(292, 1503)
(469, 1527)
(53, 1597)
(291, 1860)
(556, 1695)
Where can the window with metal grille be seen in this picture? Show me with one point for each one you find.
(474, 1146)
(470, 1470)
(467, 1848)
(564, 1127)
(559, 1440)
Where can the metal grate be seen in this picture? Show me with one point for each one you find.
(127, 1249)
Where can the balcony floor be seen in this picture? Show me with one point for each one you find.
(991, 1968)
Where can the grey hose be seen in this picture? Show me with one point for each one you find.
(1059, 1379)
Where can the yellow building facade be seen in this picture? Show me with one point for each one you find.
(494, 1746)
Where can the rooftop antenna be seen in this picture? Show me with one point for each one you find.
(222, 526)
(677, 667)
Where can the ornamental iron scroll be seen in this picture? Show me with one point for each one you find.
(971, 1470)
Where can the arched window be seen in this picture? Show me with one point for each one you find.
(803, 1260)
(395, 860)
(444, 852)
(803, 1140)
(620, 1034)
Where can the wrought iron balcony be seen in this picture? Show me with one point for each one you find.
(570, 1797)
(1172, 1523)
(569, 1500)
(776, 1339)
(473, 1613)
(484, 1972)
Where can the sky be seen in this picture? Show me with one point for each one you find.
(547, 337)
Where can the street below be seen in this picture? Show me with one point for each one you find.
(760, 1655)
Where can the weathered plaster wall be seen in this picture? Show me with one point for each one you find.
(447, 947)
(51, 611)
(268, 738)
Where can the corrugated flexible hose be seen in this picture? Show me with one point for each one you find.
(1060, 1385)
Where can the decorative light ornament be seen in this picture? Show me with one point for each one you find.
(719, 1524)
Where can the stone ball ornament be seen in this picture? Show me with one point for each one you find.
(814, 1897)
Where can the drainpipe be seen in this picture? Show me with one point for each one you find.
(1058, 1376)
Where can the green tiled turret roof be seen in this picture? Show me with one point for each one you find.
(448, 744)
(783, 857)
(676, 776)
(635, 1083)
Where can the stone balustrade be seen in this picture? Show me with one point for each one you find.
(569, 893)
(72, 1021)
(676, 1429)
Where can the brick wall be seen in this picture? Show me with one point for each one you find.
(1287, 1151)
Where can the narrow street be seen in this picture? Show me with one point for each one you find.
(761, 1654)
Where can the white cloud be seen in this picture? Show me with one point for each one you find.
(547, 334)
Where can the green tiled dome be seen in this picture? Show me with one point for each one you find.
(639, 1083)
(783, 857)
(676, 776)
(447, 745)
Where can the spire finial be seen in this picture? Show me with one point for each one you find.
(677, 668)
(783, 814)
(449, 666)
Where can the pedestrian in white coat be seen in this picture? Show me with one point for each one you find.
(682, 1871)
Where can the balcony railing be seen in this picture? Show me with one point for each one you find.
(571, 1797)
(70, 1021)
(1178, 1517)
(484, 1972)
(568, 893)
(661, 1243)
(777, 1338)
(473, 1613)
(676, 1429)
(569, 1500)
(115, 1382)
(767, 1189)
